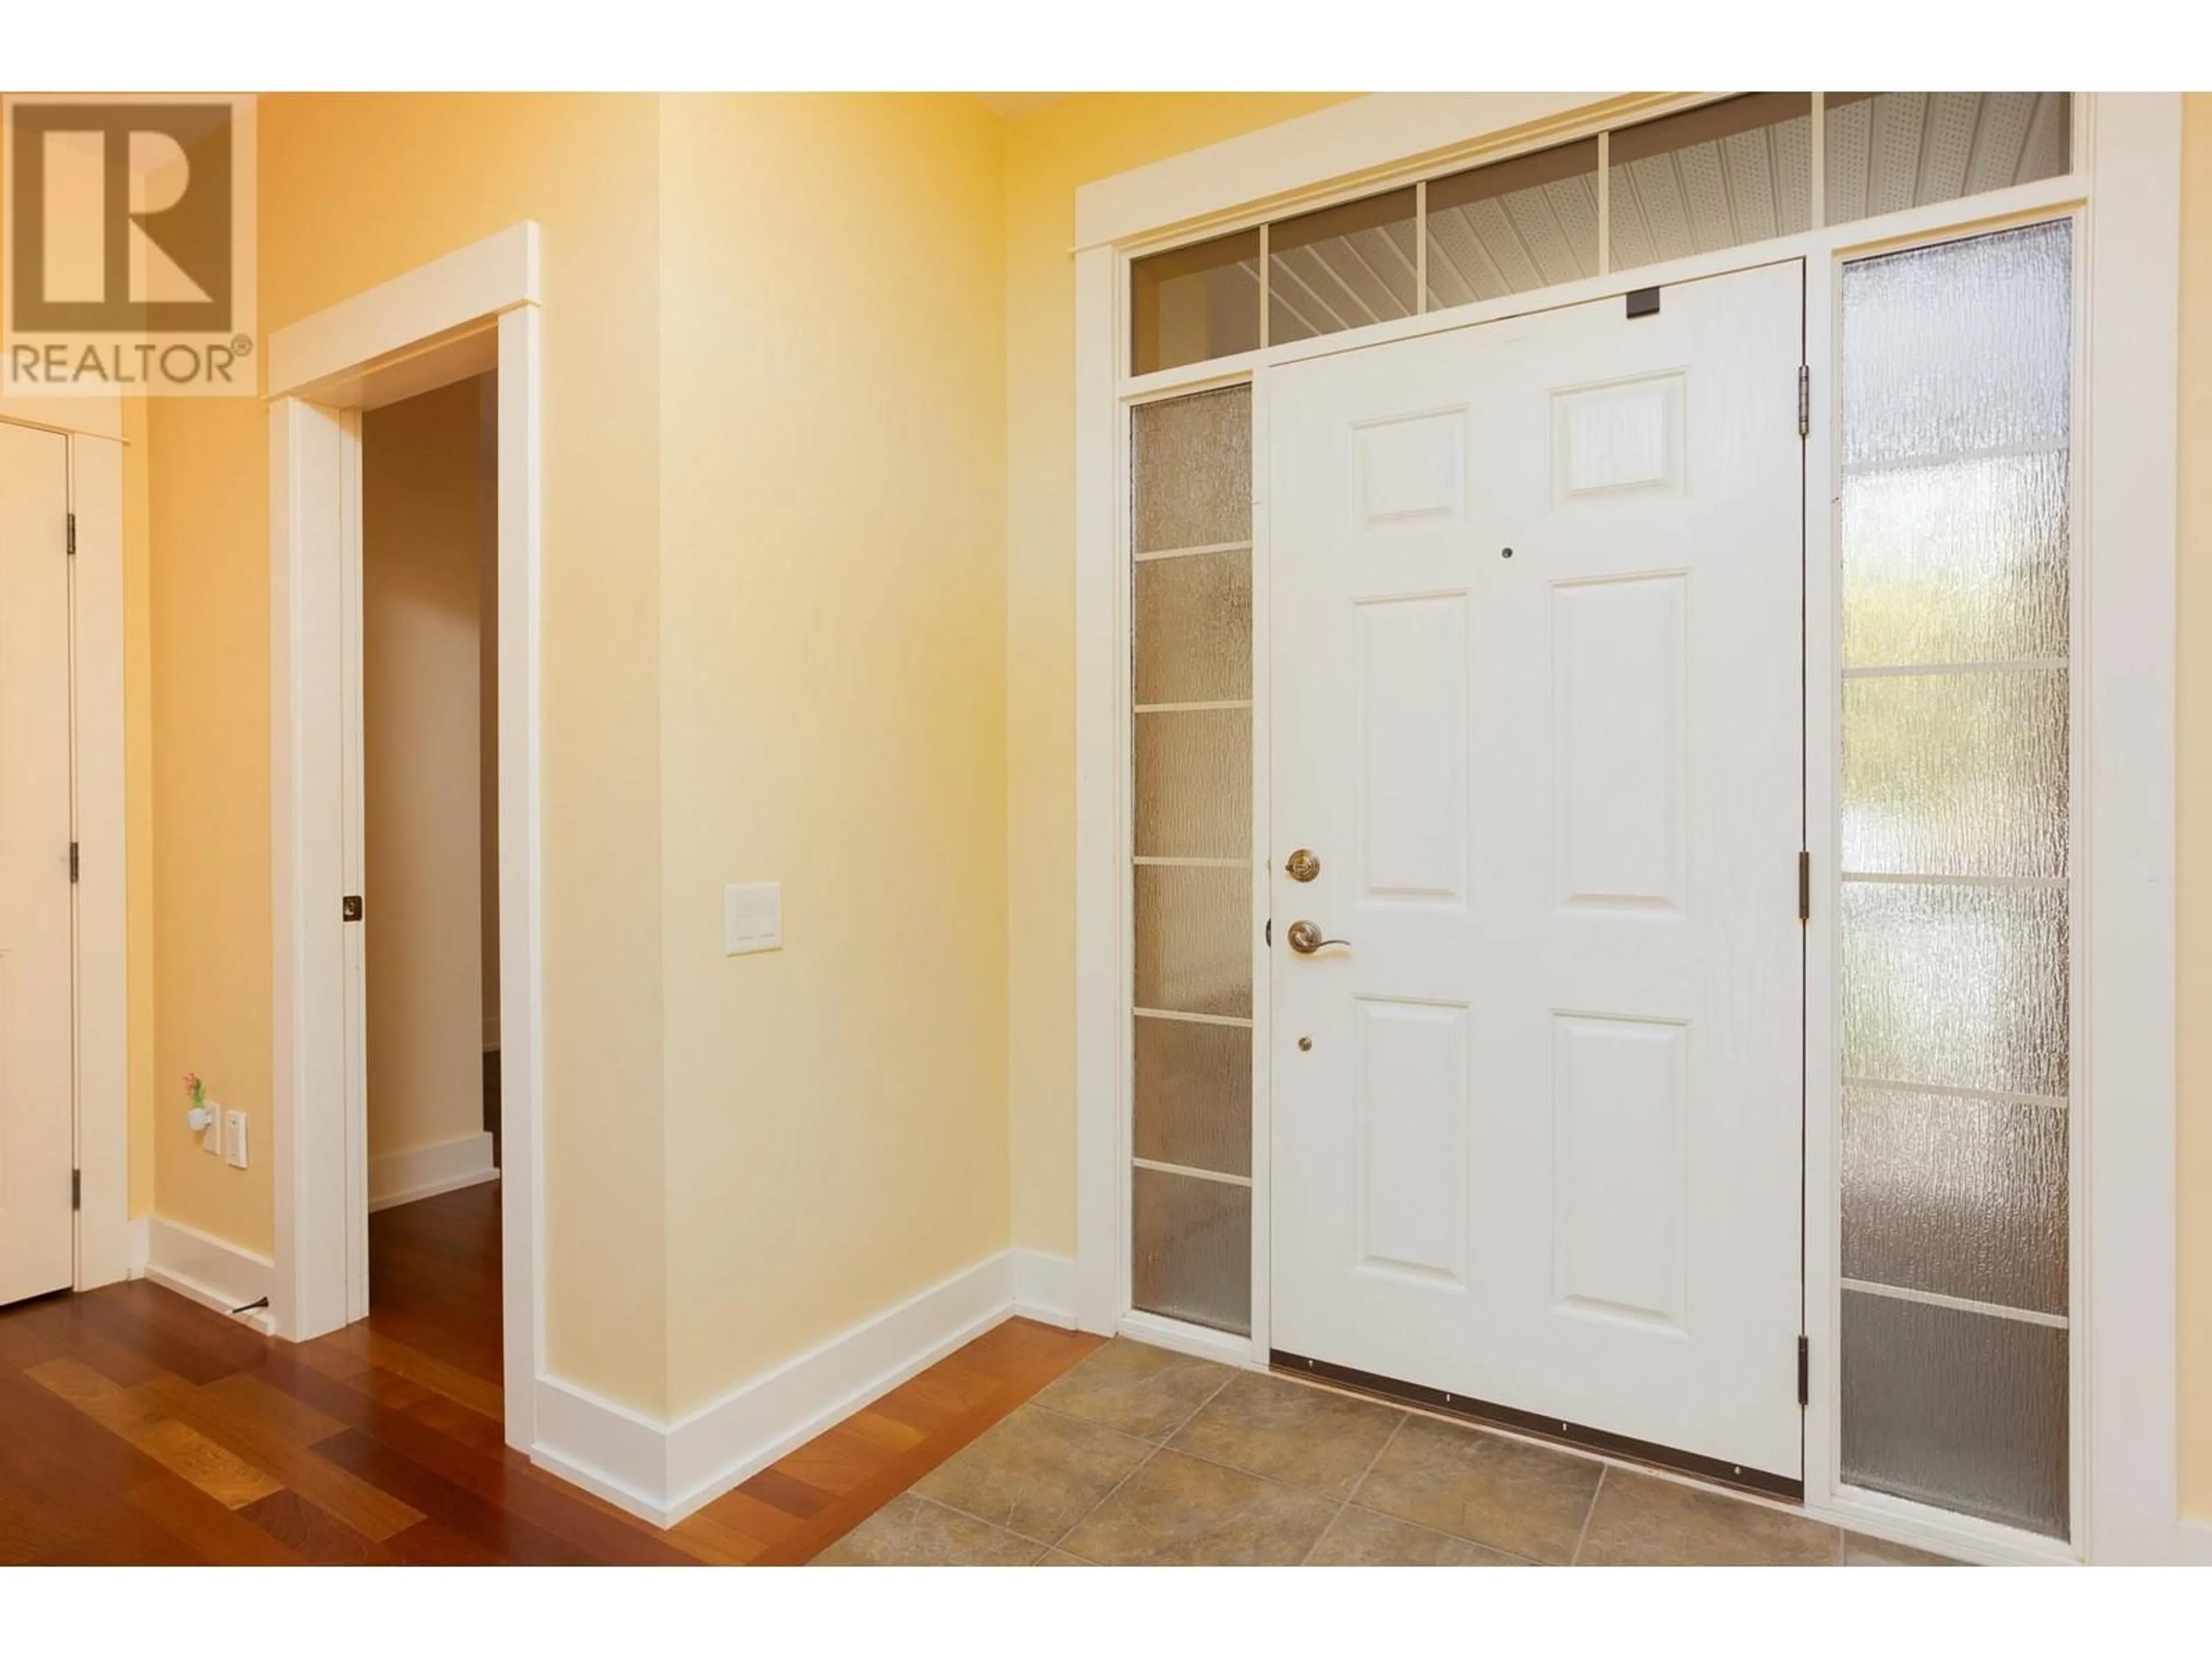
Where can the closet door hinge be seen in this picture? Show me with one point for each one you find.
(77, 1189)
(1804, 400)
(1804, 1370)
(72, 534)
(1804, 887)
(73, 861)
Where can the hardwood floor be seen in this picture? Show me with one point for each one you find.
(137, 1427)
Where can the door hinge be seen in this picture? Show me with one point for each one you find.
(1267, 933)
(1804, 1370)
(72, 534)
(1804, 400)
(350, 908)
(1804, 887)
(73, 861)
(77, 1189)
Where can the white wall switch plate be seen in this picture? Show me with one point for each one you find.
(234, 1134)
(752, 918)
(211, 1137)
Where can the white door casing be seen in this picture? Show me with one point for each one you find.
(37, 1107)
(1545, 1149)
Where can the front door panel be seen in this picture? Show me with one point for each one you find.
(1536, 682)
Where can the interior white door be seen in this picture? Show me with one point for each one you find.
(1537, 650)
(37, 1109)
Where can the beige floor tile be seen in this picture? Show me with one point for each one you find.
(1038, 1473)
(1643, 1521)
(913, 1532)
(1178, 1511)
(1135, 1388)
(1301, 1436)
(1513, 1496)
(1863, 1551)
(1360, 1538)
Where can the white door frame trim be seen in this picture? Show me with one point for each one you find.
(474, 310)
(2128, 161)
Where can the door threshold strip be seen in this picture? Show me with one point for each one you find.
(1576, 1435)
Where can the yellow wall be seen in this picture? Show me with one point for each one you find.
(833, 628)
(354, 191)
(208, 607)
(423, 780)
(2194, 609)
(1048, 154)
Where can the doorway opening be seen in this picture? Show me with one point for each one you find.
(429, 924)
(453, 321)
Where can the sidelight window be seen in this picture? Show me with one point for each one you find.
(1954, 532)
(1191, 756)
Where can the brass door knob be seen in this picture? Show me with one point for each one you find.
(1302, 865)
(1305, 937)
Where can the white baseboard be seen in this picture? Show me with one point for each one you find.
(137, 1246)
(444, 1166)
(663, 1471)
(1044, 1287)
(210, 1271)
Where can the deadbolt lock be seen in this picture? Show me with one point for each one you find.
(1302, 865)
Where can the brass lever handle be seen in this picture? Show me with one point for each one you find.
(1305, 937)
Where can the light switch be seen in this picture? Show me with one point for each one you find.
(752, 918)
(234, 1124)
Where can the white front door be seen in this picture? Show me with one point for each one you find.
(37, 1109)
(1536, 677)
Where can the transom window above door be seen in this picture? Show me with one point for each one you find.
(1725, 174)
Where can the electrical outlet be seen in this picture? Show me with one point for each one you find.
(234, 1132)
(211, 1137)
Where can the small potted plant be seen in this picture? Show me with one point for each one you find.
(198, 1114)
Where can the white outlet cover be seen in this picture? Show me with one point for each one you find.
(211, 1137)
(234, 1127)
(752, 918)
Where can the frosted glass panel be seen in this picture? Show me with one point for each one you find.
(1961, 986)
(1962, 1410)
(1958, 561)
(1959, 1195)
(1194, 783)
(1192, 458)
(1887, 150)
(1955, 913)
(1191, 1243)
(1957, 774)
(1513, 226)
(1957, 349)
(1714, 177)
(1192, 303)
(1193, 1249)
(1343, 267)
(1194, 628)
(1194, 940)
(1193, 1094)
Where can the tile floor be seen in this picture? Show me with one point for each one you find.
(1138, 1456)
